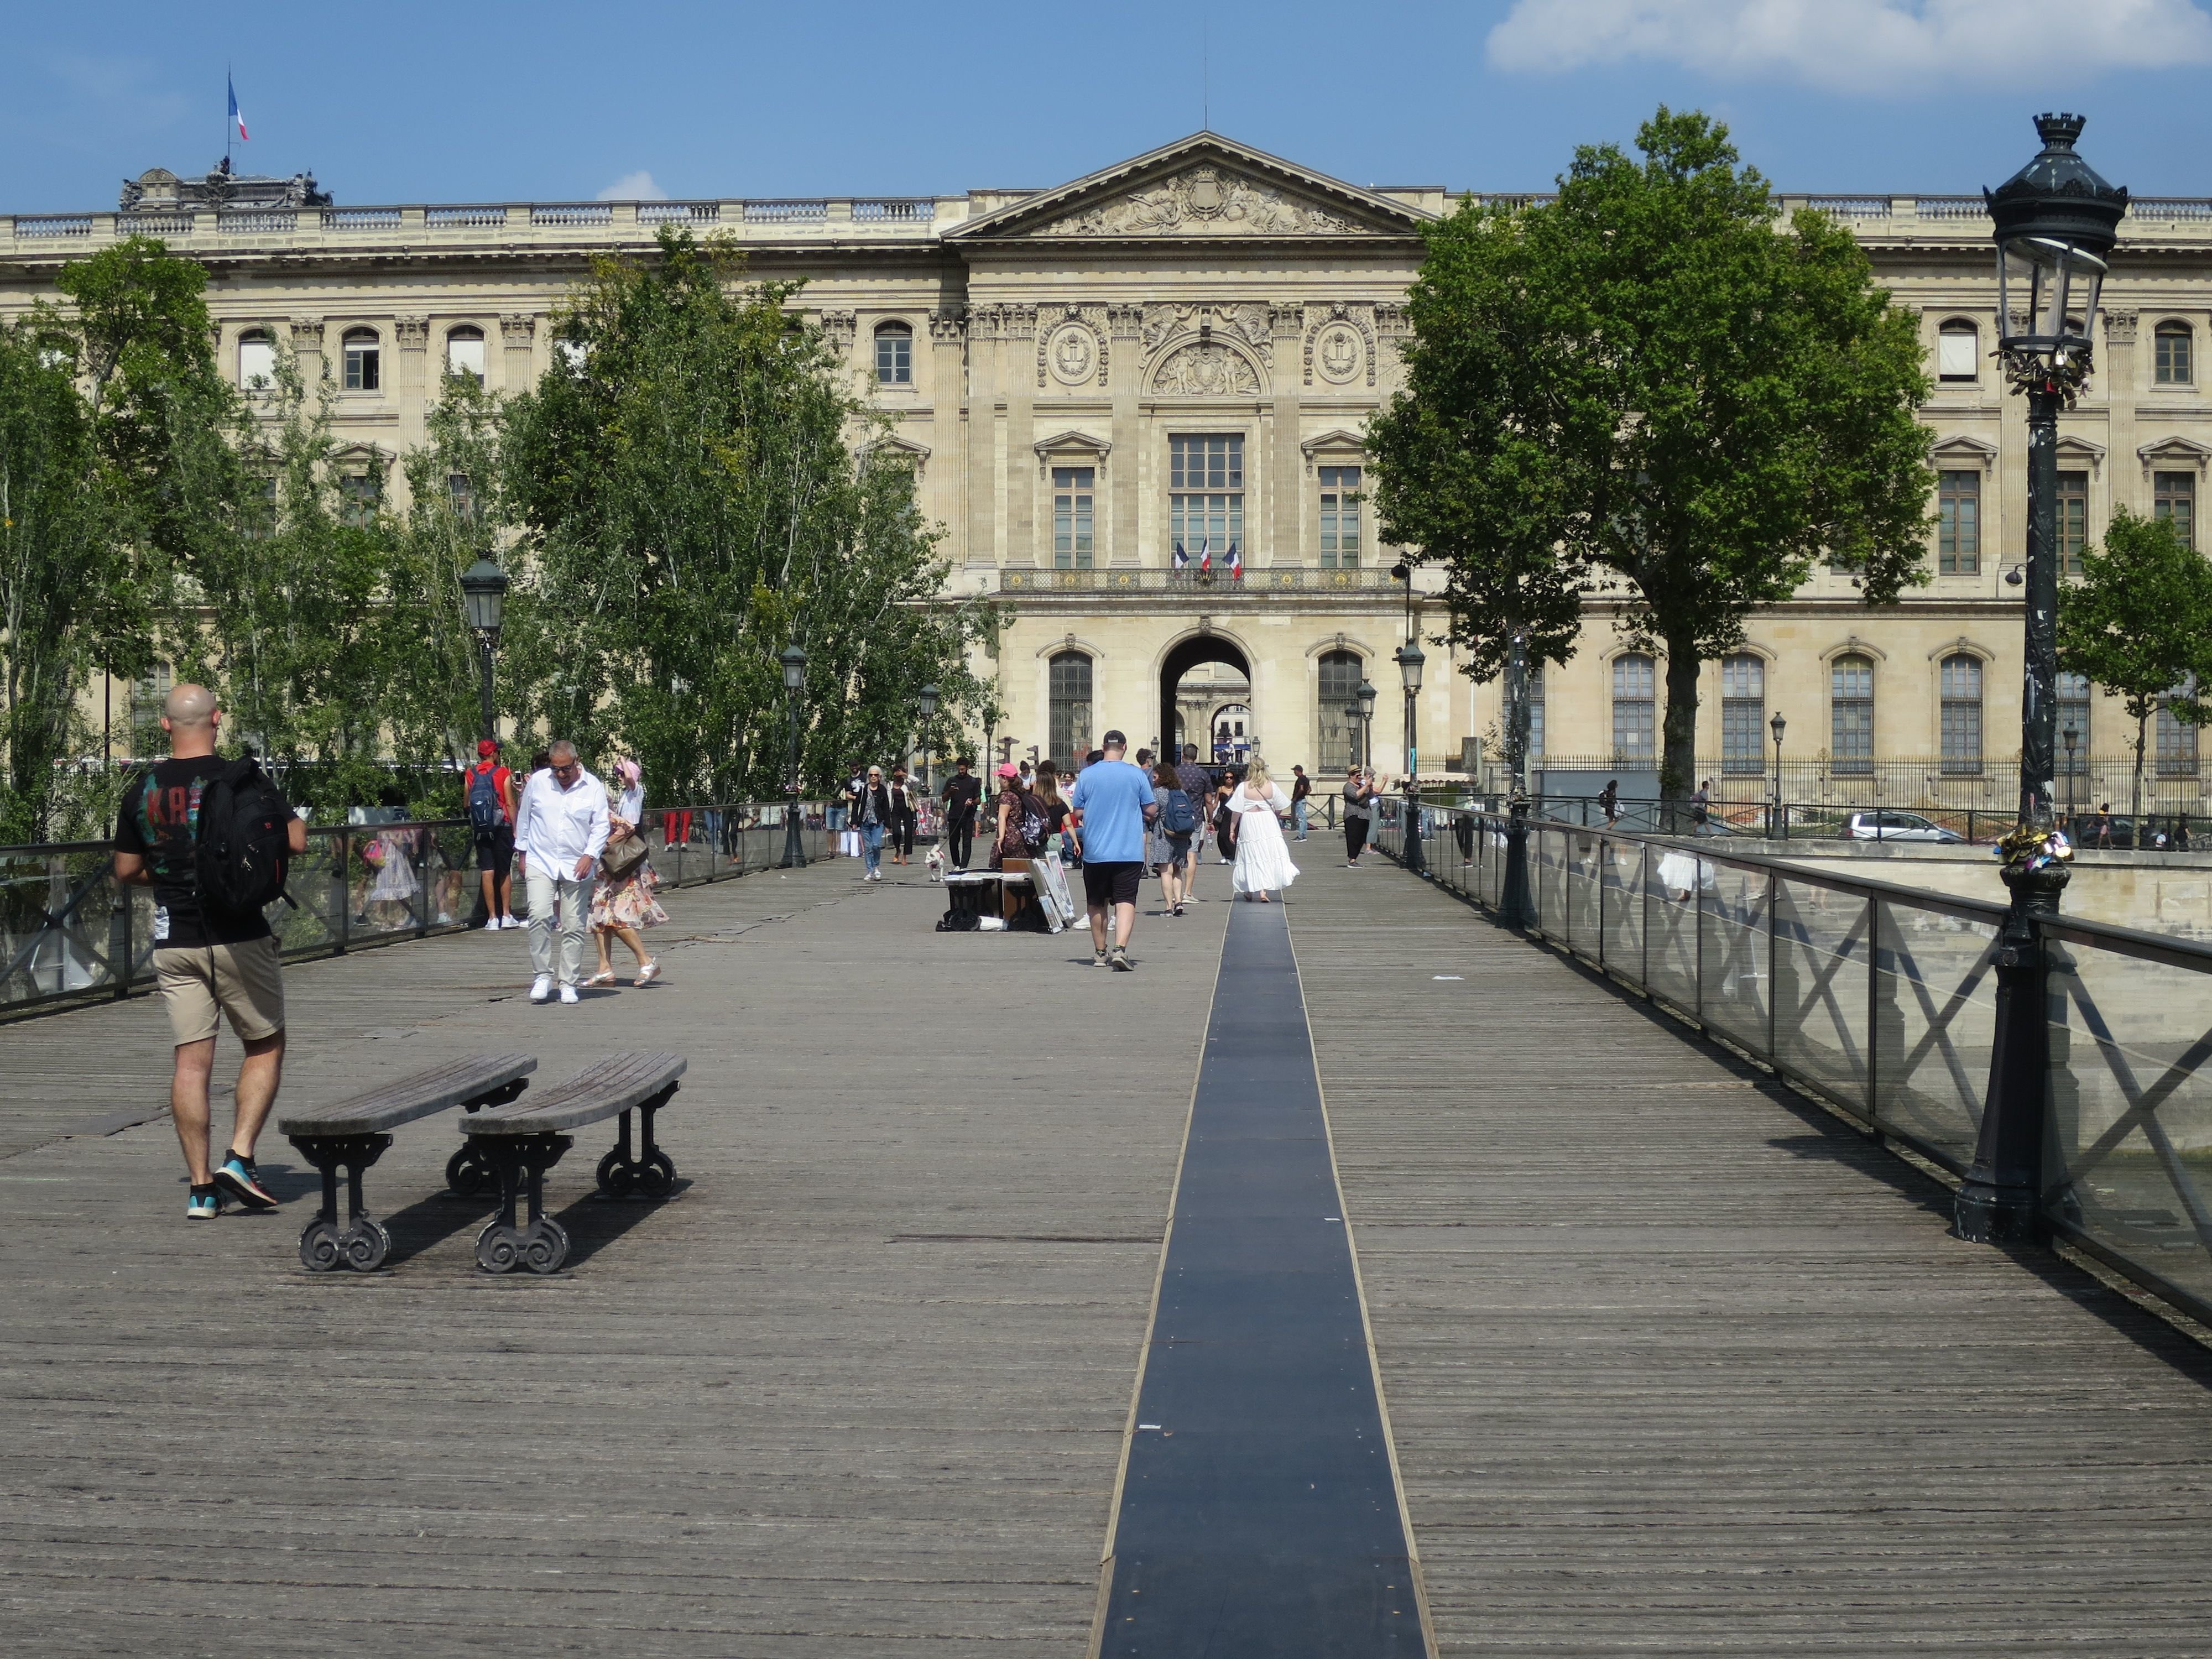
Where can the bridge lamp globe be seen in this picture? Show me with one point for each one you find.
(1362, 700)
(794, 667)
(2055, 223)
(483, 594)
(927, 701)
(1410, 664)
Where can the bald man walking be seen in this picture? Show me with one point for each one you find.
(211, 964)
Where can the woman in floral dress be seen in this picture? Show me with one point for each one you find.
(621, 905)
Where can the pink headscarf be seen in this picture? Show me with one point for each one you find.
(627, 771)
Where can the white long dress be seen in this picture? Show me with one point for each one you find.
(1263, 860)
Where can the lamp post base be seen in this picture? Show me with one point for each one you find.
(2002, 1201)
(794, 841)
(1515, 907)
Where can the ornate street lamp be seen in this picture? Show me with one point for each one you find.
(1363, 708)
(1777, 726)
(483, 595)
(1410, 664)
(794, 680)
(2071, 737)
(2056, 222)
(925, 702)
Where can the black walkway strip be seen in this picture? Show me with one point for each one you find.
(1259, 1511)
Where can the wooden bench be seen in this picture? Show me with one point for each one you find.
(350, 1134)
(521, 1142)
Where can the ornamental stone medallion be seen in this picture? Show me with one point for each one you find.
(1337, 354)
(1208, 369)
(1070, 353)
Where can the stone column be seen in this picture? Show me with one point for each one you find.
(982, 435)
(948, 429)
(518, 334)
(1286, 486)
(308, 351)
(2115, 378)
(1018, 351)
(1125, 373)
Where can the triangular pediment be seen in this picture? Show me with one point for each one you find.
(1205, 187)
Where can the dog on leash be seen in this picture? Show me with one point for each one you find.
(936, 862)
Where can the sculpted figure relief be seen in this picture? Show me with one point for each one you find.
(1206, 370)
(1205, 201)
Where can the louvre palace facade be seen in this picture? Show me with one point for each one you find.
(1184, 349)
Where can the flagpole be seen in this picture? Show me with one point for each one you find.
(230, 97)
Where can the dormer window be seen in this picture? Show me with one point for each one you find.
(893, 354)
(465, 352)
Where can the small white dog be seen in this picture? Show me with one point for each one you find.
(936, 862)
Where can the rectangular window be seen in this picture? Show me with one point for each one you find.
(2173, 498)
(1339, 518)
(364, 369)
(1850, 705)
(1071, 517)
(2172, 360)
(1957, 357)
(358, 496)
(2074, 716)
(257, 521)
(256, 361)
(1634, 684)
(894, 355)
(1961, 687)
(1206, 500)
(1743, 715)
(1535, 711)
(1958, 524)
(2073, 521)
(2177, 746)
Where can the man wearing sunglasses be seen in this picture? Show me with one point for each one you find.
(560, 829)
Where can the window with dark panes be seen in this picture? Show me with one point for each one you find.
(2073, 521)
(364, 360)
(895, 355)
(1205, 494)
(1958, 524)
(1068, 717)
(2172, 346)
(1851, 715)
(1635, 684)
(2173, 498)
(1071, 516)
(1744, 714)
(1961, 689)
(359, 493)
(2073, 716)
(1340, 674)
(1339, 518)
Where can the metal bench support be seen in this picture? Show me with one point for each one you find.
(362, 1244)
(652, 1173)
(541, 1246)
(469, 1172)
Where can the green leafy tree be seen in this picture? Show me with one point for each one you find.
(1697, 401)
(2139, 623)
(689, 503)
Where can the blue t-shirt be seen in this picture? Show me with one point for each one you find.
(1112, 796)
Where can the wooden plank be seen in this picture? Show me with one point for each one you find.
(421, 1094)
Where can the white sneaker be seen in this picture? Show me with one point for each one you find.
(541, 988)
(494, 925)
(568, 993)
(512, 921)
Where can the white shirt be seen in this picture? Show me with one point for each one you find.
(629, 805)
(556, 826)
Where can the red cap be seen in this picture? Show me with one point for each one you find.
(486, 749)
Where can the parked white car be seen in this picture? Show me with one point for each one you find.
(1898, 826)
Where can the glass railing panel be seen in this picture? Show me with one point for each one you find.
(1934, 1009)
(1733, 960)
(1671, 914)
(60, 935)
(1622, 867)
(1823, 950)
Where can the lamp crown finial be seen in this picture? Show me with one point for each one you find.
(2059, 130)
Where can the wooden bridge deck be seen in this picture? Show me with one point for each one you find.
(1673, 1361)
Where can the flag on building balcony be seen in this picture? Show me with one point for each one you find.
(1181, 558)
(236, 119)
(1236, 564)
(1206, 555)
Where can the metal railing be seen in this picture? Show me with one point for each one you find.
(70, 933)
(1880, 999)
(1217, 583)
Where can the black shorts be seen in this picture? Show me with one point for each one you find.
(1112, 884)
(495, 850)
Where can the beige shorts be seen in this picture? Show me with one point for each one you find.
(202, 984)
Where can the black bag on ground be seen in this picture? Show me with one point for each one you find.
(245, 849)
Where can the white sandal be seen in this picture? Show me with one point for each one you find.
(645, 975)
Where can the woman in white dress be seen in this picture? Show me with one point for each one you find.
(1263, 858)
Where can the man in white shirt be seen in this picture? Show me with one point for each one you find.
(560, 830)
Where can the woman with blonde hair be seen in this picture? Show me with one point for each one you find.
(623, 900)
(1255, 830)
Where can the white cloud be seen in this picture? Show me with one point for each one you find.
(634, 188)
(1854, 46)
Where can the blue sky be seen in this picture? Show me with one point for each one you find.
(556, 101)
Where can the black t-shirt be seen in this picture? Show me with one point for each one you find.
(160, 821)
(962, 794)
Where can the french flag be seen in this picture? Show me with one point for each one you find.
(236, 119)
(1206, 555)
(1181, 558)
(1236, 564)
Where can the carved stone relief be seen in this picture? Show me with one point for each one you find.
(1247, 322)
(307, 334)
(1206, 369)
(948, 327)
(1340, 344)
(2120, 327)
(413, 334)
(838, 328)
(1206, 201)
(1072, 346)
(517, 332)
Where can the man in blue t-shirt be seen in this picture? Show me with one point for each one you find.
(1113, 802)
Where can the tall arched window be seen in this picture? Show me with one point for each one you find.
(364, 360)
(1850, 716)
(1961, 688)
(1959, 351)
(465, 352)
(1744, 714)
(1340, 674)
(1635, 685)
(256, 360)
(2177, 739)
(893, 354)
(1069, 725)
(2173, 361)
(2074, 716)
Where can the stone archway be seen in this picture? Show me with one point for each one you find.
(1185, 655)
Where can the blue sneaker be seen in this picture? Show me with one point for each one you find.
(236, 1177)
(204, 1204)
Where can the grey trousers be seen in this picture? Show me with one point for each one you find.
(544, 887)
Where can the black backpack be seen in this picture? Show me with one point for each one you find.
(245, 849)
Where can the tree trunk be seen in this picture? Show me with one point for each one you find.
(1679, 746)
(2135, 803)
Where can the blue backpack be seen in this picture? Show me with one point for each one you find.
(1178, 817)
(485, 810)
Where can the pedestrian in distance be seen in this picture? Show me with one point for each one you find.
(1301, 793)
(491, 820)
(1701, 808)
(561, 828)
(1197, 783)
(903, 815)
(963, 793)
(1222, 790)
(1608, 801)
(1176, 824)
(213, 838)
(1113, 802)
(1051, 862)
(1255, 830)
(623, 901)
(1359, 810)
(872, 817)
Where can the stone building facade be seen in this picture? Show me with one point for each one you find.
(1183, 349)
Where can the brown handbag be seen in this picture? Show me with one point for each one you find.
(624, 856)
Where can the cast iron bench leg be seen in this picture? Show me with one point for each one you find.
(652, 1173)
(469, 1172)
(541, 1246)
(362, 1244)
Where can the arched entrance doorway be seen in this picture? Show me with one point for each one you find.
(1186, 711)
